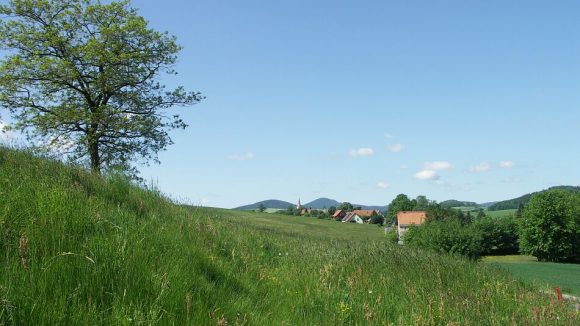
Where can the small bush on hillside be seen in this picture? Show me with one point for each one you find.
(392, 236)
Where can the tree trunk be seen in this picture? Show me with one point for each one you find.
(95, 156)
(93, 139)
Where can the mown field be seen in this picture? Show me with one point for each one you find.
(500, 213)
(76, 249)
(547, 275)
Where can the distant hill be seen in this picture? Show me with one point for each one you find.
(514, 203)
(487, 204)
(457, 203)
(270, 203)
(376, 208)
(321, 203)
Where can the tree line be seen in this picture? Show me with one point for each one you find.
(547, 228)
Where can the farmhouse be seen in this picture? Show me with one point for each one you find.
(366, 214)
(406, 219)
(339, 214)
(353, 217)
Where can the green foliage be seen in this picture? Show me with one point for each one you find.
(421, 203)
(456, 203)
(435, 212)
(331, 210)
(101, 251)
(399, 204)
(520, 211)
(346, 206)
(448, 236)
(499, 235)
(549, 227)
(377, 219)
(261, 208)
(523, 200)
(392, 236)
(290, 210)
(84, 77)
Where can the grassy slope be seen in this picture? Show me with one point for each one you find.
(105, 252)
(501, 213)
(565, 276)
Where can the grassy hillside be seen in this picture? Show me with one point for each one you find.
(456, 203)
(501, 213)
(496, 214)
(76, 249)
(514, 203)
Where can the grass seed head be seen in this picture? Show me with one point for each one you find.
(23, 251)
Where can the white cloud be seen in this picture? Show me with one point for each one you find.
(481, 167)
(427, 175)
(506, 164)
(241, 157)
(382, 185)
(363, 151)
(395, 148)
(388, 136)
(437, 165)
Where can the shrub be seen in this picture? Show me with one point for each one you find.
(377, 219)
(499, 235)
(392, 236)
(446, 236)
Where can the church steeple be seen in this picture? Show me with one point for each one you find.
(299, 205)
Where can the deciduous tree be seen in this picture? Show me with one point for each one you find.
(346, 206)
(86, 75)
(399, 204)
(549, 227)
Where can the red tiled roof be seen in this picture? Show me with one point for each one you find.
(406, 218)
(348, 217)
(337, 213)
(364, 212)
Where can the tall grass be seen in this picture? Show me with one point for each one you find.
(102, 251)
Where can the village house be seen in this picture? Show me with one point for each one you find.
(406, 219)
(366, 214)
(338, 215)
(352, 217)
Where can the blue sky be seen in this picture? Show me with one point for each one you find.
(362, 100)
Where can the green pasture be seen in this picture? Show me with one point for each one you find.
(547, 275)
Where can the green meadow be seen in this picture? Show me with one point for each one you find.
(78, 249)
(501, 213)
(548, 275)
